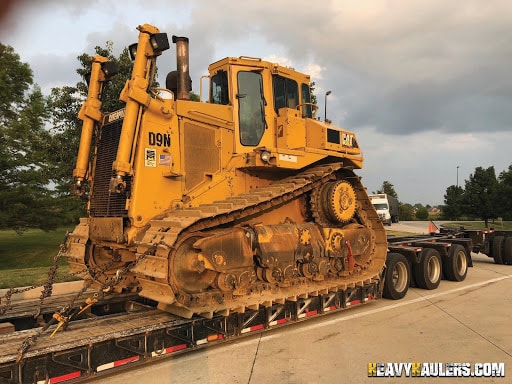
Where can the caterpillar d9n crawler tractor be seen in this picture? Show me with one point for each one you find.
(231, 204)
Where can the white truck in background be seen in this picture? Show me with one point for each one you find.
(386, 207)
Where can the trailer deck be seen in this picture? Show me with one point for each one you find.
(94, 346)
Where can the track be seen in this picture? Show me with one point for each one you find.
(171, 231)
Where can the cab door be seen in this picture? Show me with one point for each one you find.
(251, 107)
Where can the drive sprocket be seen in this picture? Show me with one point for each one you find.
(334, 202)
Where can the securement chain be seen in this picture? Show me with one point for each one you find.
(66, 313)
(63, 313)
(107, 287)
(48, 285)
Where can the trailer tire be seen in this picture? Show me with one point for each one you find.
(428, 272)
(508, 250)
(397, 276)
(497, 249)
(455, 266)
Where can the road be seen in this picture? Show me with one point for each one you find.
(459, 322)
(413, 226)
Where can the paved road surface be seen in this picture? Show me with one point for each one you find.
(413, 226)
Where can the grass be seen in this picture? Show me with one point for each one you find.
(25, 259)
(26, 277)
(497, 224)
(399, 233)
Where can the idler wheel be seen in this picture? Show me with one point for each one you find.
(186, 271)
(103, 263)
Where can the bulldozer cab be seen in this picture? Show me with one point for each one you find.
(258, 90)
(274, 117)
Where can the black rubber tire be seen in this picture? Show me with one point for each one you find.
(428, 272)
(397, 276)
(497, 249)
(455, 266)
(508, 250)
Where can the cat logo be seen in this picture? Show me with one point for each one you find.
(347, 139)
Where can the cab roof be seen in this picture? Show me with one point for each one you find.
(274, 68)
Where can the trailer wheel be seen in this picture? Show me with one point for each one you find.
(397, 276)
(497, 249)
(455, 266)
(508, 250)
(428, 272)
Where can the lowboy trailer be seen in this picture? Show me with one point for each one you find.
(99, 343)
(494, 243)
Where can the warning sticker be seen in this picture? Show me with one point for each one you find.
(291, 158)
(150, 157)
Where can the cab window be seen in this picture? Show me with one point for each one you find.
(219, 88)
(251, 111)
(307, 110)
(286, 93)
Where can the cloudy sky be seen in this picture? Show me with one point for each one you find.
(425, 85)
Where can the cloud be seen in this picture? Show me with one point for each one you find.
(415, 66)
(53, 70)
(425, 66)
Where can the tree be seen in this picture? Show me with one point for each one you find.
(312, 86)
(418, 206)
(422, 213)
(64, 104)
(387, 188)
(454, 202)
(504, 194)
(406, 212)
(112, 90)
(194, 97)
(480, 198)
(26, 201)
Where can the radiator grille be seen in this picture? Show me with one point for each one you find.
(102, 202)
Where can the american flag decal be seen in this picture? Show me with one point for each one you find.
(165, 159)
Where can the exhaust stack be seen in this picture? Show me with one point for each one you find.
(184, 83)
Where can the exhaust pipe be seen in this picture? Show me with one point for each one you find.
(184, 83)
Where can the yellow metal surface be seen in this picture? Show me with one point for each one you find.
(90, 114)
(290, 129)
(135, 94)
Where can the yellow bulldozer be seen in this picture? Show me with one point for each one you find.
(216, 206)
